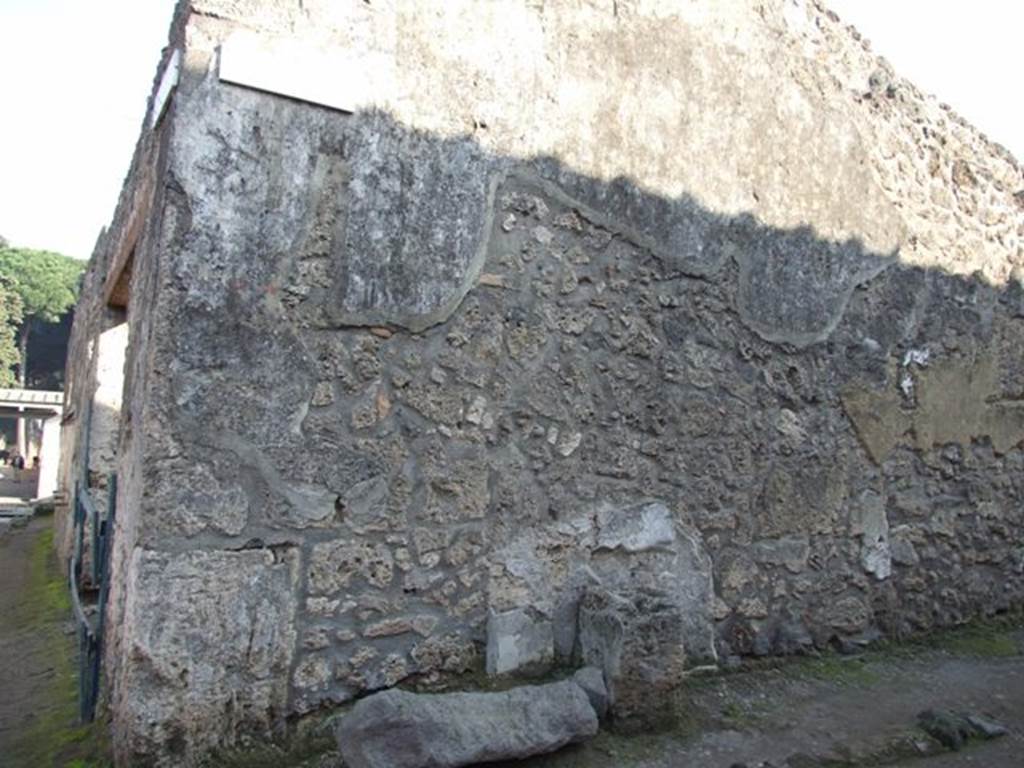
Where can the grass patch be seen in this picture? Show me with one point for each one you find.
(305, 743)
(991, 640)
(833, 668)
(55, 737)
(295, 753)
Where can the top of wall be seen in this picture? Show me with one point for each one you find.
(775, 109)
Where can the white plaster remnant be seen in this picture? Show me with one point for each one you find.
(918, 357)
(568, 443)
(517, 640)
(870, 521)
(635, 529)
(477, 410)
(907, 385)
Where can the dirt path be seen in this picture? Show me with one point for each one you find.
(825, 712)
(38, 687)
(836, 712)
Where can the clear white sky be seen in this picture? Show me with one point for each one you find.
(968, 53)
(74, 79)
(75, 75)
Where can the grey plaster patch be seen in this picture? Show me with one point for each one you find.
(789, 551)
(794, 286)
(417, 215)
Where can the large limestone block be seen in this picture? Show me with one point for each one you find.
(641, 549)
(201, 628)
(398, 729)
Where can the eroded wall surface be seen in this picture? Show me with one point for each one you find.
(698, 318)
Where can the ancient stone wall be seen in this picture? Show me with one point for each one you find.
(698, 322)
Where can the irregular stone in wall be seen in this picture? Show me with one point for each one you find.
(364, 506)
(445, 653)
(791, 552)
(591, 680)
(312, 672)
(635, 529)
(848, 614)
(197, 500)
(903, 549)
(458, 483)
(802, 499)
(695, 593)
(382, 673)
(199, 627)
(334, 564)
(868, 519)
(519, 641)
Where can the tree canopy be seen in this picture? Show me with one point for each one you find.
(10, 319)
(46, 285)
(47, 282)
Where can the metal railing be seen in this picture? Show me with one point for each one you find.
(90, 630)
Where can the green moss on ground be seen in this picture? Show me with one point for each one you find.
(834, 668)
(983, 639)
(55, 736)
(310, 744)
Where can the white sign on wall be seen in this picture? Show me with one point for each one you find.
(331, 77)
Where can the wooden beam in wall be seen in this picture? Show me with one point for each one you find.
(117, 285)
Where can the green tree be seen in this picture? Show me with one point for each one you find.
(46, 284)
(10, 319)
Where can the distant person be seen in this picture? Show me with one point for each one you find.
(35, 462)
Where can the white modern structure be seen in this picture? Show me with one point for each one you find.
(48, 407)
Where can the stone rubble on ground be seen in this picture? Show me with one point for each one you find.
(399, 729)
(953, 730)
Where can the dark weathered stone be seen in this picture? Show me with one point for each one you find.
(636, 640)
(950, 729)
(398, 729)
